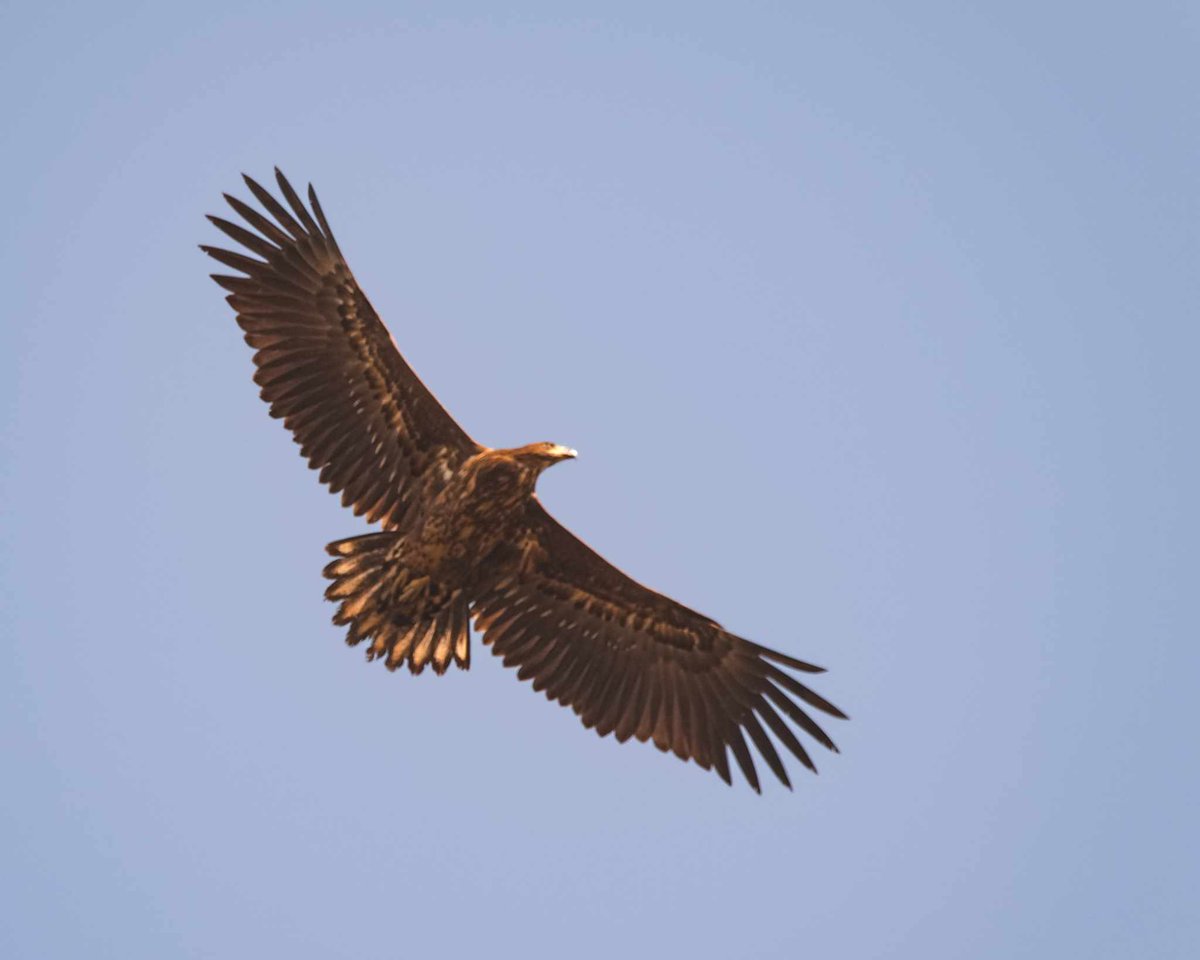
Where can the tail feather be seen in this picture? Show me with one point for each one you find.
(452, 636)
(406, 617)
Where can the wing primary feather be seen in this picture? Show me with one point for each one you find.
(579, 690)
(498, 613)
(512, 644)
(275, 208)
(680, 741)
(566, 673)
(295, 203)
(316, 205)
(591, 703)
(721, 763)
(802, 665)
(258, 221)
(247, 265)
(521, 647)
(240, 285)
(648, 720)
(717, 723)
(785, 735)
(800, 718)
(251, 241)
(662, 725)
(525, 621)
(707, 707)
(692, 708)
(610, 704)
(614, 701)
(738, 743)
(549, 671)
(766, 748)
(631, 706)
(808, 696)
(543, 657)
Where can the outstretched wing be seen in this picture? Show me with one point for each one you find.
(327, 365)
(632, 662)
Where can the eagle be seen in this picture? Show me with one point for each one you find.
(462, 536)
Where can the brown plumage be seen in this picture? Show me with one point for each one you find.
(464, 536)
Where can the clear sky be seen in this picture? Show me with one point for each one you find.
(877, 334)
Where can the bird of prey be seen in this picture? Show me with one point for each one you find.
(463, 536)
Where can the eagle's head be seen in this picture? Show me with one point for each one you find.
(504, 473)
(539, 456)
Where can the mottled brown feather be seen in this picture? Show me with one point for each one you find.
(634, 662)
(327, 365)
(627, 660)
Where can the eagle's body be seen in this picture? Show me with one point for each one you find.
(463, 535)
(481, 507)
(471, 536)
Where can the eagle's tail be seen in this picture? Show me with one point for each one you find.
(407, 618)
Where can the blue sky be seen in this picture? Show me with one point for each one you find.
(876, 332)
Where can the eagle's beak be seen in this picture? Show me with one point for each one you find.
(565, 453)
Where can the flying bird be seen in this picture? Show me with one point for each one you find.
(463, 536)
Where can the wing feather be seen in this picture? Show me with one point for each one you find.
(326, 364)
(635, 663)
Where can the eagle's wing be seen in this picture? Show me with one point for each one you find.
(631, 661)
(327, 365)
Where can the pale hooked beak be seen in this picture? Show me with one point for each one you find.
(565, 453)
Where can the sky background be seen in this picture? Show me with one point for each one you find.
(877, 332)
